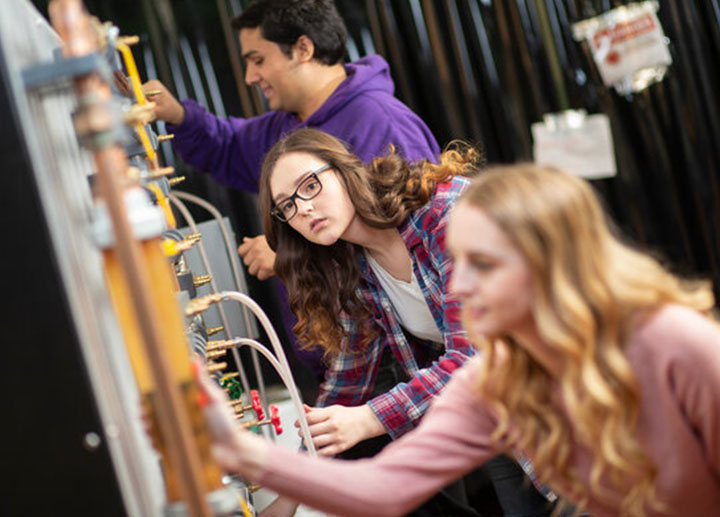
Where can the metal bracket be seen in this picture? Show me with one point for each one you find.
(65, 69)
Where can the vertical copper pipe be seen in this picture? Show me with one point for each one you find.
(73, 25)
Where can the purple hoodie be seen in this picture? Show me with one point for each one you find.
(362, 112)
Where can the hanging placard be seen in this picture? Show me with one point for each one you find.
(576, 142)
(628, 45)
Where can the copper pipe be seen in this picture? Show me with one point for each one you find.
(73, 25)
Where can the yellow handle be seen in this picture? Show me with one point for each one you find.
(140, 96)
(164, 203)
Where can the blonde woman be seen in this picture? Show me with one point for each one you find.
(598, 365)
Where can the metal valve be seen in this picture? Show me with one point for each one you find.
(255, 405)
(274, 420)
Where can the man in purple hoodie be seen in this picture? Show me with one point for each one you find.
(294, 53)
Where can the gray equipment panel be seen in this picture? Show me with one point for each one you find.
(221, 270)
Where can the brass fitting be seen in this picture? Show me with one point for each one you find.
(175, 181)
(215, 367)
(220, 344)
(162, 138)
(200, 280)
(172, 247)
(215, 354)
(161, 172)
(202, 304)
(128, 40)
(211, 331)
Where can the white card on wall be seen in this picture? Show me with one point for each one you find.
(576, 142)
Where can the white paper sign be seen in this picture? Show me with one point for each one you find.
(628, 46)
(578, 143)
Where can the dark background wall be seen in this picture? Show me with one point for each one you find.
(483, 71)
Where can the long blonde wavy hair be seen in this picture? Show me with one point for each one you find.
(587, 288)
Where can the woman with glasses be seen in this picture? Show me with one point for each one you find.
(361, 250)
(598, 364)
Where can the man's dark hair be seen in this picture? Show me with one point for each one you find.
(284, 21)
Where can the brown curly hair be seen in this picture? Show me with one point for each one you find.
(322, 280)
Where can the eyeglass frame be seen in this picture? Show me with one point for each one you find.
(275, 210)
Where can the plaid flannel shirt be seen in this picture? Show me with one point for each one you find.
(350, 377)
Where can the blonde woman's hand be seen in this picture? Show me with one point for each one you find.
(235, 450)
(335, 429)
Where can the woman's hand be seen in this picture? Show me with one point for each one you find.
(235, 450)
(335, 429)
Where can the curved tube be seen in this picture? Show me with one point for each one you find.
(256, 345)
(223, 317)
(239, 279)
(282, 359)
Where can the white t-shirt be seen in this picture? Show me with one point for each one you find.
(409, 303)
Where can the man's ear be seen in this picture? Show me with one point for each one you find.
(304, 49)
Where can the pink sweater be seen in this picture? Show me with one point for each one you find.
(675, 354)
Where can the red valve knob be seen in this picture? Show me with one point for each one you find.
(275, 419)
(256, 404)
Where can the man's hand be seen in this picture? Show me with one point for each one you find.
(258, 257)
(335, 429)
(167, 107)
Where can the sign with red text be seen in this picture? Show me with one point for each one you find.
(628, 46)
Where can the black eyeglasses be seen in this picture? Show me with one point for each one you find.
(310, 187)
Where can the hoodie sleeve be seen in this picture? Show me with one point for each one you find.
(231, 150)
